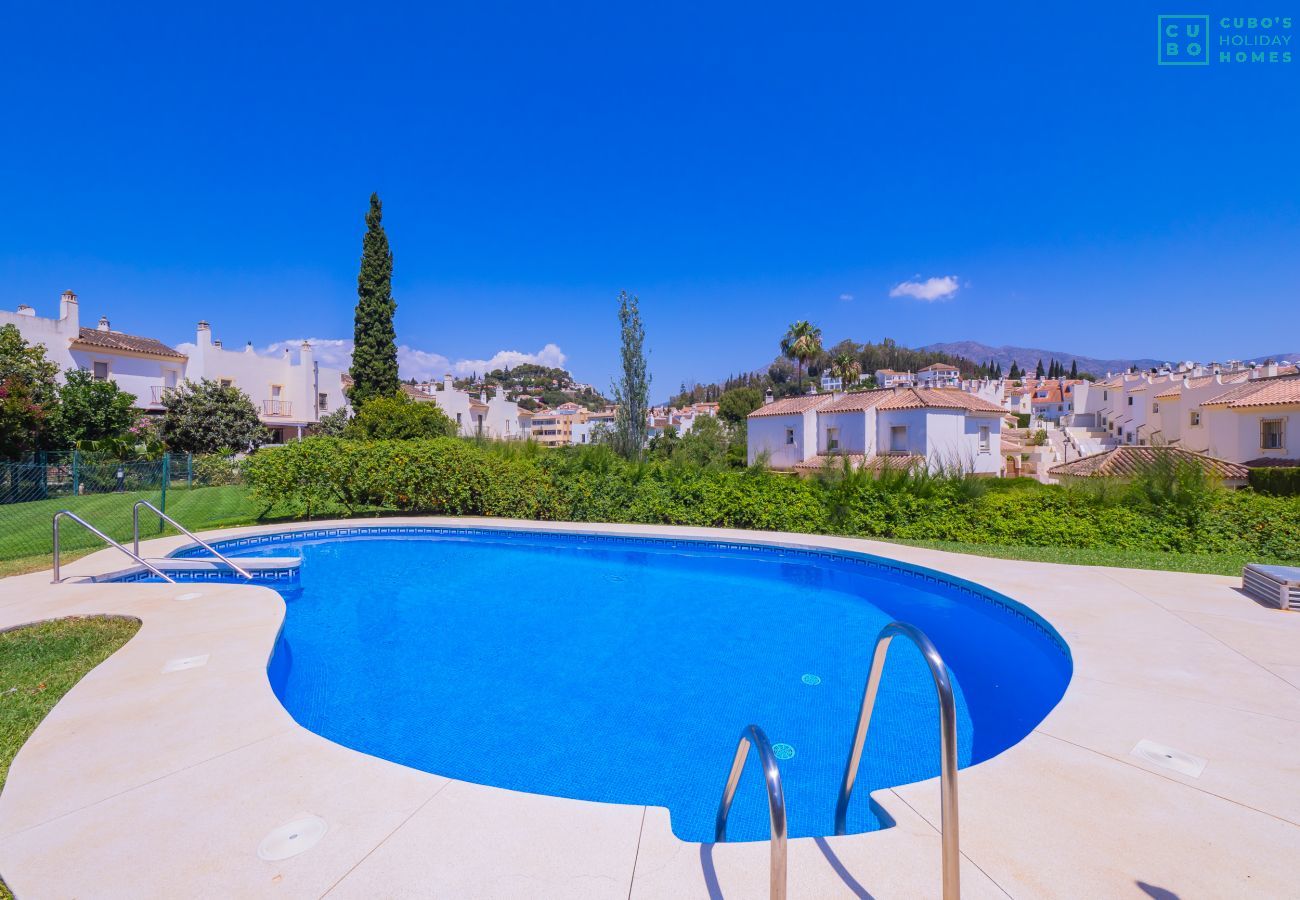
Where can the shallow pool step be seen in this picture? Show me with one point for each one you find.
(262, 568)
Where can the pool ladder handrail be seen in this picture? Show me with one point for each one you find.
(68, 514)
(135, 523)
(752, 734)
(948, 828)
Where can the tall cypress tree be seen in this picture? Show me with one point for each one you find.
(632, 392)
(1074, 368)
(374, 341)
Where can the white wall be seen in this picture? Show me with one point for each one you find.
(857, 431)
(767, 434)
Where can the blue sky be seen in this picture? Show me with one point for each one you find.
(737, 166)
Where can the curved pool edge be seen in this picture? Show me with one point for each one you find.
(488, 832)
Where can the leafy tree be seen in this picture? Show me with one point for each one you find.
(209, 417)
(399, 418)
(632, 392)
(802, 343)
(706, 444)
(736, 404)
(91, 410)
(331, 425)
(846, 367)
(374, 340)
(27, 363)
(22, 418)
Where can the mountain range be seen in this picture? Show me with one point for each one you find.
(1028, 357)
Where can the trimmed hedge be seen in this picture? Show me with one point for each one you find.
(1280, 481)
(448, 476)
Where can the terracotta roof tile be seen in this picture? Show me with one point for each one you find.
(857, 401)
(789, 406)
(938, 398)
(859, 461)
(1125, 462)
(1279, 391)
(116, 340)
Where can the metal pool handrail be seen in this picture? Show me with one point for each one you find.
(752, 734)
(135, 522)
(947, 746)
(63, 513)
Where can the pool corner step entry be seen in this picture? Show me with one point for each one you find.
(293, 837)
(1169, 758)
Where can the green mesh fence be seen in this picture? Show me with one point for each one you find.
(199, 492)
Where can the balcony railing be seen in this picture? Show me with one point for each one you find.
(161, 393)
(277, 407)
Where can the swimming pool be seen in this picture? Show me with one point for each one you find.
(622, 669)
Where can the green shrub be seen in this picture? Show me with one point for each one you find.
(450, 476)
(1279, 481)
(398, 418)
(217, 469)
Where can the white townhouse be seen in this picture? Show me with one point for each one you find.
(138, 365)
(1243, 416)
(476, 415)
(888, 378)
(290, 394)
(938, 375)
(935, 427)
(1256, 423)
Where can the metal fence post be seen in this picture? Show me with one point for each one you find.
(189, 470)
(166, 477)
(76, 472)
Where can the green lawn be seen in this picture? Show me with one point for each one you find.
(26, 543)
(41, 663)
(1203, 563)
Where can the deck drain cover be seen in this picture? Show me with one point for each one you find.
(185, 662)
(783, 751)
(292, 838)
(192, 595)
(1169, 758)
(811, 679)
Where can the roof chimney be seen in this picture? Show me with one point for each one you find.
(69, 311)
(248, 348)
(217, 344)
(25, 310)
(204, 336)
(446, 382)
(767, 397)
(103, 324)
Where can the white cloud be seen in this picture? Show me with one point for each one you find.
(930, 290)
(423, 365)
(846, 297)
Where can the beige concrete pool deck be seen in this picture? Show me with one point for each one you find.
(151, 783)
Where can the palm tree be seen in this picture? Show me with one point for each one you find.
(845, 366)
(802, 342)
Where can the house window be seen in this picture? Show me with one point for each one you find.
(1271, 433)
(1195, 417)
(832, 440)
(457, 418)
(984, 439)
(1105, 395)
(226, 382)
(1155, 407)
(789, 436)
(898, 439)
(100, 371)
(1130, 401)
(323, 401)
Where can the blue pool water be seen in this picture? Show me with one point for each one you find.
(624, 670)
